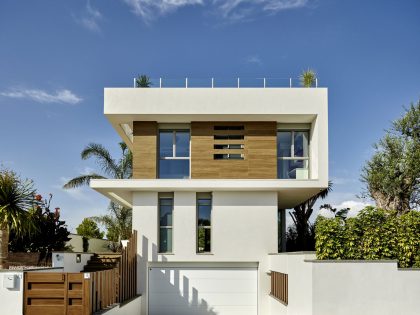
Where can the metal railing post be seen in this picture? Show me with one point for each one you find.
(290, 82)
(264, 83)
(238, 83)
(212, 82)
(186, 83)
(134, 82)
(160, 82)
(316, 82)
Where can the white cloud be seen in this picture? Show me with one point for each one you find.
(41, 96)
(354, 205)
(254, 59)
(232, 10)
(90, 18)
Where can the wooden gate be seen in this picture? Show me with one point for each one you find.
(56, 293)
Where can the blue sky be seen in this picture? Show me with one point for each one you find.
(56, 57)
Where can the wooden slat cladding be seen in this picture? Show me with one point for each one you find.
(144, 149)
(280, 286)
(260, 151)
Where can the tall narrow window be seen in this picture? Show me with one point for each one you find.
(174, 153)
(293, 154)
(166, 205)
(204, 222)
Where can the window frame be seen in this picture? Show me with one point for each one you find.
(174, 157)
(167, 227)
(292, 156)
(200, 196)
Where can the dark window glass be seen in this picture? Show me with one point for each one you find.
(284, 144)
(301, 144)
(182, 140)
(165, 240)
(166, 143)
(174, 168)
(204, 212)
(228, 137)
(289, 169)
(228, 157)
(228, 146)
(228, 127)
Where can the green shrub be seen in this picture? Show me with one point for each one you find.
(373, 234)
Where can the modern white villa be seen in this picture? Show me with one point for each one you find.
(213, 169)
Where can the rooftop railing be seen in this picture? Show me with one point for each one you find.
(268, 82)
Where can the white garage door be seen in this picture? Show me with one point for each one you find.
(202, 291)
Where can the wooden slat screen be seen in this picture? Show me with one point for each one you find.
(279, 286)
(128, 269)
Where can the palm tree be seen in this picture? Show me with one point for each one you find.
(143, 81)
(16, 198)
(308, 78)
(300, 216)
(118, 222)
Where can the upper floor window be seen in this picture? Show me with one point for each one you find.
(174, 153)
(293, 154)
(204, 208)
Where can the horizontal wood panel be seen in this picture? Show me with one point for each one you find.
(45, 277)
(44, 310)
(260, 151)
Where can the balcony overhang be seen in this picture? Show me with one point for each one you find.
(290, 192)
(122, 106)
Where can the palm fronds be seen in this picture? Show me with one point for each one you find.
(308, 78)
(82, 180)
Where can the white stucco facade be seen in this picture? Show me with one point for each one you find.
(244, 212)
(244, 231)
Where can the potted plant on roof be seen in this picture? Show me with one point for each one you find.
(308, 78)
(143, 81)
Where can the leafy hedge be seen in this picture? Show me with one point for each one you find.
(373, 234)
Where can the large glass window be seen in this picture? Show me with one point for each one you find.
(293, 154)
(204, 222)
(174, 154)
(166, 206)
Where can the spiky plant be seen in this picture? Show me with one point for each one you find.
(16, 198)
(143, 81)
(308, 78)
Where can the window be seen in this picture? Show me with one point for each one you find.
(166, 205)
(229, 156)
(174, 153)
(293, 154)
(204, 222)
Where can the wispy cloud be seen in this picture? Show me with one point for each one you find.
(79, 194)
(90, 18)
(40, 96)
(253, 59)
(231, 10)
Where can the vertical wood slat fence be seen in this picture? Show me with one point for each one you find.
(60, 293)
(279, 286)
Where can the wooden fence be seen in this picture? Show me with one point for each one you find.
(279, 286)
(60, 293)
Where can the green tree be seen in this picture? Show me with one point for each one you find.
(118, 221)
(16, 198)
(143, 81)
(392, 175)
(88, 229)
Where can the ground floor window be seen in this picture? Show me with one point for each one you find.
(166, 205)
(204, 209)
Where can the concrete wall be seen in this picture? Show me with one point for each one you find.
(95, 244)
(67, 260)
(374, 288)
(300, 283)
(345, 287)
(131, 307)
(244, 229)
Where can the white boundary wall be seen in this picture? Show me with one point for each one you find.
(11, 300)
(346, 287)
(67, 260)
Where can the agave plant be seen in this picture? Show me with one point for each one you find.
(308, 78)
(143, 81)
